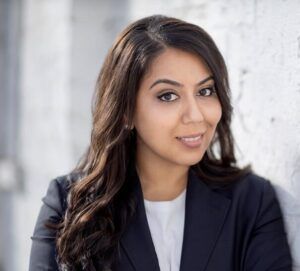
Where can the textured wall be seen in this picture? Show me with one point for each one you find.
(44, 140)
(94, 26)
(63, 43)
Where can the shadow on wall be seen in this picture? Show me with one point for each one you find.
(290, 206)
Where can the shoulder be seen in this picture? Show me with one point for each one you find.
(65, 182)
(253, 196)
(250, 186)
(254, 188)
(58, 190)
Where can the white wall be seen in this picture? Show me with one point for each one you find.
(44, 147)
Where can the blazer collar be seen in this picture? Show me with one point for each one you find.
(205, 213)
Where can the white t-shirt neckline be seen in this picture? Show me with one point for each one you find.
(166, 224)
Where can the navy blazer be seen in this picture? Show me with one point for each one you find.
(237, 227)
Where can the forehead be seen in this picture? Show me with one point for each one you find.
(178, 65)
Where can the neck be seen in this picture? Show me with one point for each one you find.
(161, 180)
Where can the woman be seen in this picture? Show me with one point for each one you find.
(159, 188)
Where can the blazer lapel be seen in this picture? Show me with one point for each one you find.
(205, 215)
(136, 240)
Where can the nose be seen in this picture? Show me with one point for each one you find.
(192, 111)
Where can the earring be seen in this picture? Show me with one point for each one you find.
(127, 127)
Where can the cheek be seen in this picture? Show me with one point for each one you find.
(218, 114)
(153, 120)
(213, 113)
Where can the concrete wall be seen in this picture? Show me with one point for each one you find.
(43, 146)
(63, 44)
(94, 27)
(9, 104)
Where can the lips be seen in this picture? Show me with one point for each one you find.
(191, 141)
(190, 136)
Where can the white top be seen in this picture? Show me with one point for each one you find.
(166, 223)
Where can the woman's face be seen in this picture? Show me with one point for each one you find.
(177, 110)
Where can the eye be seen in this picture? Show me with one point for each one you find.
(167, 97)
(207, 91)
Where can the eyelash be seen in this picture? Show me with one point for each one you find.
(212, 91)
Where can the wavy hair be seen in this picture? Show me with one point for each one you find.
(100, 203)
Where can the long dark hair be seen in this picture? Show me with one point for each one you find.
(100, 203)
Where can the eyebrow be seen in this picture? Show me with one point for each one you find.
(177, 84)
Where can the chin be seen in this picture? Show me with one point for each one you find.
(190, 161)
